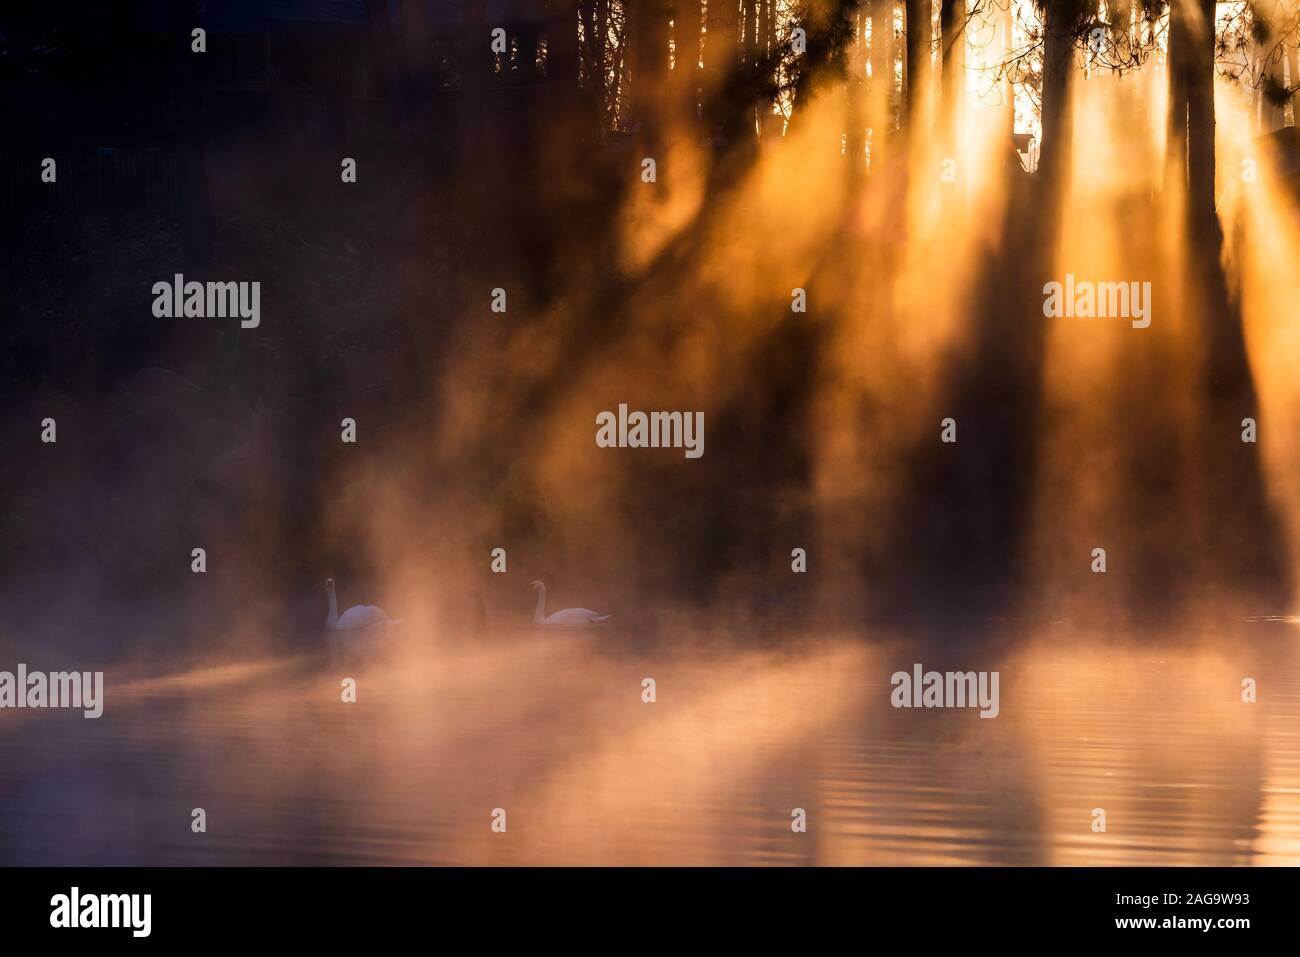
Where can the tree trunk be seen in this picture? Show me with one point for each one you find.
(1008, 88)
(952, 31)
(882, 79)
(529, 40)
(855, 81)
(562, 53)
(688, 33)
(479, 173)
(649, 36)
(767, 120)
(1272, 113)
(1236, 520)
(475, 64)
(1200, 120)
(191, 134)
(417, 63)
(720, 60)
(587, 58)
(381, 37)
(1061, 21)
(753, 80)
(1176, 69)
(1293, 80)
(916, 66)
(600, 63)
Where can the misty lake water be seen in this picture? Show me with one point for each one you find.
(556, 734)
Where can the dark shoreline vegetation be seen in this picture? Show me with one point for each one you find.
(375, 306)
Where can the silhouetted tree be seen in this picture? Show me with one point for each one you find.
(649, 25)
(882, 78)
(919, 30)
(1063, 23)
(952, 31)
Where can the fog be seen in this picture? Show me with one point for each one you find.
(485, 290)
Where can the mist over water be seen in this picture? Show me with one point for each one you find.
(556, 734)
(825, 431)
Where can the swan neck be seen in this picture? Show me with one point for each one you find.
(333, 618)
(539, 614)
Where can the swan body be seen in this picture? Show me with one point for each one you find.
(361, 617)
(567, 618)
(356, 618)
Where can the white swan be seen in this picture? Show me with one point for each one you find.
(356, 618)
(568, 618)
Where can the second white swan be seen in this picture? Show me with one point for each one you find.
(567, 618)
